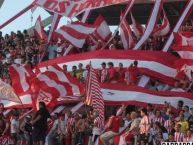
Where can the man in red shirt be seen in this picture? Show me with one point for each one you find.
(112, 130)
(111, 73)
(121, 73)
(132, 74)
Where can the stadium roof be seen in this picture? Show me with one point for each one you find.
(141, 11)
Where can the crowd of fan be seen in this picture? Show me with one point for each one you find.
(150, 125)
(137, 126)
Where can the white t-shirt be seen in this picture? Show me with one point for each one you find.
(61, 126)
(14, 126)
(55, 126)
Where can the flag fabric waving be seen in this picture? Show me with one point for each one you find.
(103, 31)
(126, 34)
(74, 7)
(7, 93)
(21, 75)
(38, 30)
(116, 94)
(74, 33)
(137, 28)
(94, 96)
(164, 28)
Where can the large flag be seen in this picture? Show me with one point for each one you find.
(74, 33)
(21, 76)
(74, 7)
(164, 28)
(126, 34)
(38, 30)
(116, 94)
(7, 93)
(94, 96)
(137, 28)
(54, 87)
(103, 31)
(150, 63)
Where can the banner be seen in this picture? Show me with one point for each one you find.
(151, 63)
(74, 7)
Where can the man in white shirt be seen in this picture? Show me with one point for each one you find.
(15, 128)
(61, 128)
(53, 132)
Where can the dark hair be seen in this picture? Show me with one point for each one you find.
(135, 63)
(144, 110)
(181, 102)
(110, 63)
(149, 105)
(43, 104)
(187, 107)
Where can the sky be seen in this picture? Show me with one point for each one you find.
(12, 7)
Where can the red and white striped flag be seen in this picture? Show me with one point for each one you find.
(137, 28)
(126, 34)
(71, 8)
(38, 30)
(94, 95)
(103, 31)
(7, 93)
(21, 75)
(164, 28)
(74, 33)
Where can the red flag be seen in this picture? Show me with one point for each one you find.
(102, 29)
(38, 30)
(21, 76)
(54, 87)
(126, 35)
(55, 22)
(164, 28)
(94, 95)
(137, 28)
(74, 33)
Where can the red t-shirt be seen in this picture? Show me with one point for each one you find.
(121, 75)
(112, 74)
(115, 123)
(133, 74)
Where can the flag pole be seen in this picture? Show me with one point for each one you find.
(17, 15)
